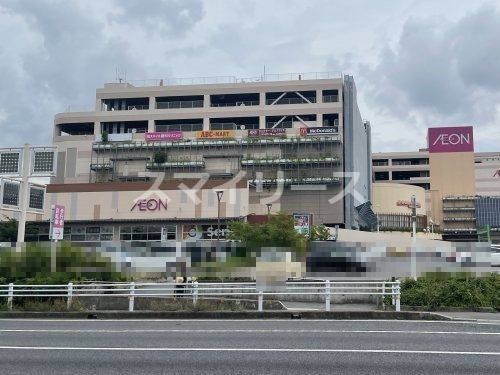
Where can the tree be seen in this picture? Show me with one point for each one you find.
(159, 157)
(8, 230)
(320, 233)
(104, 137)
(278, 231)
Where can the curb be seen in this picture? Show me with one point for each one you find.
(333, 315)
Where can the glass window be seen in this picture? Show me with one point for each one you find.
(36, 198)
(125, 237)
(9, 162)
(107, 237)
(154, 236)
(139, 237)
(11, 193)
(92, 237)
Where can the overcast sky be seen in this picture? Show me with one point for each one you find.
(416, 63)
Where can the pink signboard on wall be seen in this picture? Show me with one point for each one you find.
(163, 136)
(57, 224)
(451, 139)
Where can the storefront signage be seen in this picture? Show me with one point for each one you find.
(267, 132)
(402, 203)
(302, 223)
(163, 136)
(203, 232)
(211, 134)
(326, 130)
(57, 223)
(152, 204)
(497, 173)
(451, 139)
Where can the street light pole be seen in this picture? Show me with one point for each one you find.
(24, 192)
(219, 197)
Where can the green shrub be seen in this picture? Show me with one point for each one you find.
(452, 291)
(32, 265)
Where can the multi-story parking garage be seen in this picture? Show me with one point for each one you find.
(151, 156)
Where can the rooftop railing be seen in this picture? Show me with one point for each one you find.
(232, 79)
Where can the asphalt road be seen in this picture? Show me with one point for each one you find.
(248, 347)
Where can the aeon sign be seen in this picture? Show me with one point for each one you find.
(152, 204)
(451, 139)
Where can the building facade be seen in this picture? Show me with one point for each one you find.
(454, 176)
(150, 159)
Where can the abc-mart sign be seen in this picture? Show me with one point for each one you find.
(451, 139)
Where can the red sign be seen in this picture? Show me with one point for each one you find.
(407, 204)
(322, 130)
(58, 217)
(163, 136)
(276, 132)
(451, 139)
(57, 226)
(152, 204)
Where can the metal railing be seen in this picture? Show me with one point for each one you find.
(180, 104)
(131, 290)
(330, 98)
(291, 101)
(243, 103)
(141, 107)
(232, 79)
(232, 126)
(179, 127)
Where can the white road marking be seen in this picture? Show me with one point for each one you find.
(263, 320)
(282, 350)
(244, 331)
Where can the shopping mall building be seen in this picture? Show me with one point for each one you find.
(458, 188)
(151, 157)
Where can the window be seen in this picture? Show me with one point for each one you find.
(381, 176)
(10, 193)
(9, 162)
(147, 233)
(36, 198)
(91, 233)
(170, 232)
(43, 161)
(139, 233)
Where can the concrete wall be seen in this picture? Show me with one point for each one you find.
(357, 150)
(120, 205)
(386, 197)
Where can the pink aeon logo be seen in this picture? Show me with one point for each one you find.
(150, 205)
(451, 139)
(497, 173)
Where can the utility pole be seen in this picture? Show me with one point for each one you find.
(219, 197)
(414, 230)
(23, 193)
(414, 217)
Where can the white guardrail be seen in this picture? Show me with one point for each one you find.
(196, 290)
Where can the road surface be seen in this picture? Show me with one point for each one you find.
(248, 347)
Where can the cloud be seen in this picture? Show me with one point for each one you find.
(60, 51)
(439, 72)
(416, 63)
